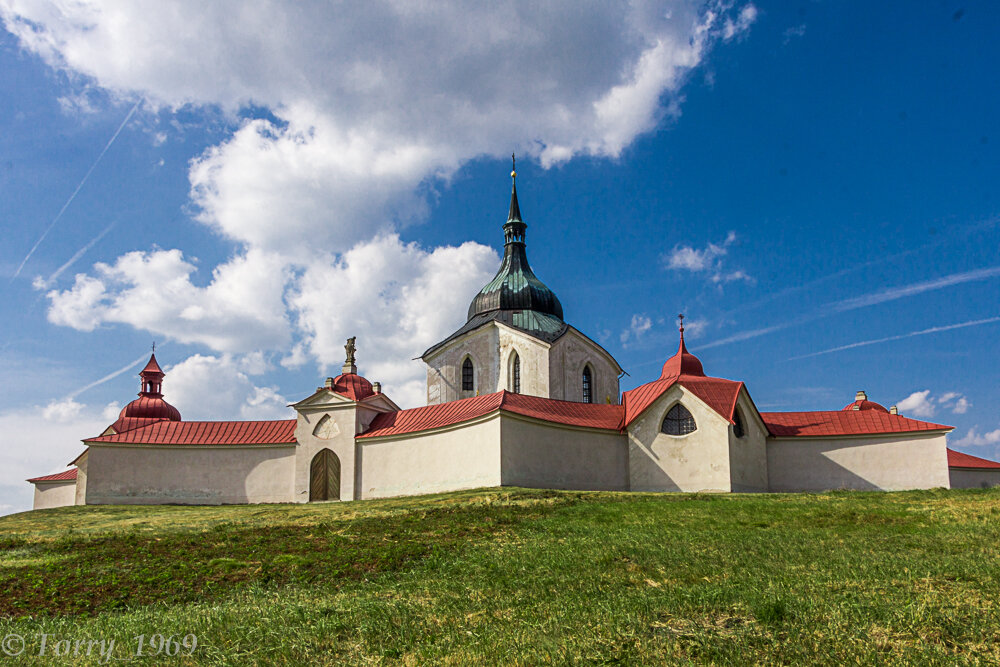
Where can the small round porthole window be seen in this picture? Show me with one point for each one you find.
(678, 421)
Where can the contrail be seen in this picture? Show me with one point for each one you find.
(77, 255)
(854, 303)
(109, 376)
(915, 288)
(887, 339)
(69, 201)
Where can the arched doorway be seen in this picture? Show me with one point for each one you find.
(324, 476)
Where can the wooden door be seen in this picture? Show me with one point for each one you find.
(324, 476)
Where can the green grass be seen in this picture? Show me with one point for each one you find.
(517, 576)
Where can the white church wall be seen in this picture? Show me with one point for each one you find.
(540, 455)
(534, 356)
(890, 462)
(465, 456)
(970, 478)
(698, 461)
(444, 366)
(189, 475)
(748, 455)
(81, 479)
(567, 359)
(338, 438)
(54, 494)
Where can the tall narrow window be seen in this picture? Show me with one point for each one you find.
(467, 374)
(588, 385)
(516, 374)
(738, 429)
(678, 421)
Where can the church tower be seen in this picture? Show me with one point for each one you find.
(515, 339)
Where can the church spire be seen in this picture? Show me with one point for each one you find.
(514, 228)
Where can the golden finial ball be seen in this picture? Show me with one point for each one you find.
(513, 174)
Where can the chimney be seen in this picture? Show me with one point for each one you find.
(893, 410)
(861, 396)
(329, 383)
(377, 387)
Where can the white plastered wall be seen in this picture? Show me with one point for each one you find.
(54, 494)
(567, 358)
(551, 456)
(127, 474)
(748, 455)
(974, 478)
(81, 479)
(465, 456)
(698, 461)
(889, 462)
(444, 366)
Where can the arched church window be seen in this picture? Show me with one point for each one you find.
(516, 374)
(467, 374)
(588, 385)
(738, 429)
(678, 421)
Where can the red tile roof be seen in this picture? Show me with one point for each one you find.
(719, 394)
(64, 476)
(960, 460)
(850, 422)
(152, 367)
(274, 432)
(589, 415)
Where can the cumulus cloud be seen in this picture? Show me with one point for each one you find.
(919, 404)
(361, 110)
(924, 404)
(219, 387)
(241, 309)
(398, 298)
(708, 260)
(976, 439)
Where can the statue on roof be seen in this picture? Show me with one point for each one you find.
(351, 348)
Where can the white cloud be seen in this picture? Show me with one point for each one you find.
(64, 411)
(919, 404)
(923, 404)
(210, 387)
(637, 328)
(733, 28)
(369, 100)
(708, 259)
(240, 310)
(397, 298)
(369, 106)
(794, 31)
(975, 439)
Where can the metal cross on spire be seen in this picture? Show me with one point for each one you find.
(154, 346)
(681, 316)
(513, 166)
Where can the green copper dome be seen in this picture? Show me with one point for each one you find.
(515, 287)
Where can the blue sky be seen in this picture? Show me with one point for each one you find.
(814, 184)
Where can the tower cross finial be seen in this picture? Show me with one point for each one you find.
(154, 346)
(513, 167)
(681, 316)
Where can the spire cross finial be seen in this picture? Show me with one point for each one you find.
(154, 346)
(681, 316)
(513, 167)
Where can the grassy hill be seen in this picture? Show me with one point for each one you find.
(517, 576)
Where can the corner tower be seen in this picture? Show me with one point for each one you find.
(515, 338)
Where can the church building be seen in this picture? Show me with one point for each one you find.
(515, 397)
